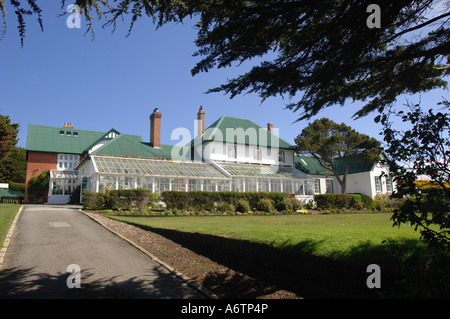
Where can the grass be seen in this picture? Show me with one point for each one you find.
(314, 255)
(336, 235)
(7, 214)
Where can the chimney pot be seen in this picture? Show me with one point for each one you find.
(201, 121)
(270, 127)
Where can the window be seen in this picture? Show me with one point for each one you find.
(67, 161)
(68, 133)
(231, 151)
(257, 154)
(329, 185)
(317, 186)
(61, 132)
(281, 156)
(388, 184)
(378, 184)
(75, 133)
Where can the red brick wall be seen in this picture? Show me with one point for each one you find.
(37, 163)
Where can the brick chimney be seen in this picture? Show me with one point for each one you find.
(155, 128)
(201, 121)
(270, 127)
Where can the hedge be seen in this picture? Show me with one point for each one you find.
(121, 199)
(200, 200)
(349, 201)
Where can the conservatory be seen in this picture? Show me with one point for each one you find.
(100, 173)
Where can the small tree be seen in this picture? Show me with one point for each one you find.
(421, 151)
(37, 186)
(326, 141)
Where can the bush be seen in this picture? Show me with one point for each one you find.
(19, 187)
(226, 207)
(242, 206)
(291, 203)
(93, 201)
(265, 205)
(200, 200)
(121, 199)
(340, 201)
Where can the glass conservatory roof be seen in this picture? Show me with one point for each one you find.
(63, 174)
(151, 167)
(272, 171)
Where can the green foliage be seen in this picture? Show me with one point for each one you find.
(208, 200)
(341, 201)
(421, 149)
(242, 206)
(291, 203)
(8, 136)
(20, 187)
(13, 167)
(121, 199)
(326, 141)
(323, 49)
(265, 205)
(38, 186)
(226, 207)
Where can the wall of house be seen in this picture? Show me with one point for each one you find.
(37, 163)
(364, 182)
(217, 151)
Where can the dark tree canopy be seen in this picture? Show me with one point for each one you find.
(328, 141)
(316, 53)
(422, 154)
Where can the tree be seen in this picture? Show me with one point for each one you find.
(8, 136)
(326, 141)
(13, 167)
(421, 151)
(320, 53)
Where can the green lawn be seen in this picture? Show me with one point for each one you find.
(334, 235)
(7, 214)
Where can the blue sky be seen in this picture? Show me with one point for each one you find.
(114, 81)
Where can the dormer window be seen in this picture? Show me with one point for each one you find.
(61, 132)
(75, 133)
(68, 133)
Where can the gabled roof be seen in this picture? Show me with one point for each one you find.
(124, 145)
(232, 130)
(59, 140)
(66, 140)
(310, 165)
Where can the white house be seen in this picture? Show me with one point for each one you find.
(364, 177)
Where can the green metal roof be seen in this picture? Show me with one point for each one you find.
(64, 140)
(123, 145)
(310, 165)
(235, 130)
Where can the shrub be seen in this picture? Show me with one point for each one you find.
(264, 205)
(93, 201)
(242, 206)
(200, 200)
(291, 203)
(226, 207)
(349, 201)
